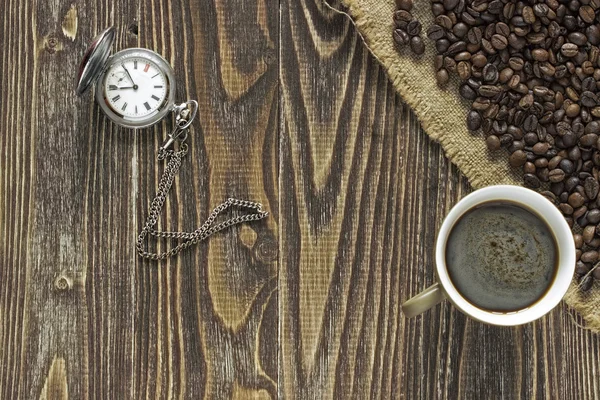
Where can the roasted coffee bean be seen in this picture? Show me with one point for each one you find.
(567, 166)
(479, 60)
(499, 42)
(518, 158)
(540, 55)
(442, 77)
(467, 92)
(588, 140)
(540, 148)
(435, 32)
(556, 175)
(588, 233)
(402, 15)
(593, 216)
(565, 208)
(591, 187)
(576, 200)
(450, 4)
(400, 37)
(587, 14)
(493, 142)
(589, 99)
(582, 268)
(531, 181)
(413, 28)
(596, 273)
(404, 4)
(490, 73)
(474, 120)
(463, 69)
(417, 45)
(569, 50)
(489, 90)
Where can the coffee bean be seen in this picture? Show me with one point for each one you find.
(400, 37)
(531, 181)
(556, 175)
(576, 200)
(530, 124)
(589, 99)
(591, 187)
(596, 273)
(589, 256)
(463, 69)
(479, 60)
(540, 55)
(493, 142)
(540, 148)
(435, 32)
(442, 77)
(467, 92)
(588, 233)
(402, 15)
(592, 33)
(489, 90)
(413, 28)
(587, 14)
(417, 45)
(573, 110)
(582, 268)
(593, 216)
(518, 158)
(588, 140)
(499, 42)
(569, 50)
(404, 4)
(578, 38)
(450, 4)
(565, 208)
(578, 240)
(567, 166)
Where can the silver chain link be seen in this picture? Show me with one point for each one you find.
(207, 229)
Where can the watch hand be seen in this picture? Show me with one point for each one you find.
(124, 87)
(128, 74)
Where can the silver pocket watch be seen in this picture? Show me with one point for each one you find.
(136, 89)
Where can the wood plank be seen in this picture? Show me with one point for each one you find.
(365, 193)
(81, 315)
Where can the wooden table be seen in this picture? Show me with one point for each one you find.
(294, 113)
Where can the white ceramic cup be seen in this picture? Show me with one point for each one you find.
(444, 289)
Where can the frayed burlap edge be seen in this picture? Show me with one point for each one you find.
(442, 115)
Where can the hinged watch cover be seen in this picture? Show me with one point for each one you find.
(94, 60)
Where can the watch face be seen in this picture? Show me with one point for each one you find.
(136, 89)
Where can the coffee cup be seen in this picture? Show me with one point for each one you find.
(504, 256)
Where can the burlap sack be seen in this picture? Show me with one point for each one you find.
(443, 112)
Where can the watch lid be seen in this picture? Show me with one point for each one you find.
(95, 59)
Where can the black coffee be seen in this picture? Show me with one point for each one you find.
(501, 257)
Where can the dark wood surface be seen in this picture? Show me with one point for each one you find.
(293, 113)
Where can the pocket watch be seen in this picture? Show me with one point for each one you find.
(135, 88)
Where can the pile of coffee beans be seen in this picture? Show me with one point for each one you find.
(407, 28)
(531, 70)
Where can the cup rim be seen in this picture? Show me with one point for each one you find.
(563, 237)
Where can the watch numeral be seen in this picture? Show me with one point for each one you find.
(155, 98)
(156, 86)
(134, 64)
(112, 87)
(147, 106)
(124, 106)
(136, 109)
(117, 97)
(155, 75)
(147, 67)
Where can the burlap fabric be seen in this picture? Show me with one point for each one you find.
(443, 112)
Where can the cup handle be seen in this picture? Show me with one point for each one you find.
(423, 301)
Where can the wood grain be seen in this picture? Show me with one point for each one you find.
(293, 113)
(366, 194)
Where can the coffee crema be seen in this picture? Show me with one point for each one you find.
(501, 257)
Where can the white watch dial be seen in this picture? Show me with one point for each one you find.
(135, 87)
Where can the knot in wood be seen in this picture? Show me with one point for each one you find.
(266, 250)
(63, 283)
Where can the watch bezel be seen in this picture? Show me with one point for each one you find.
(147, 120)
